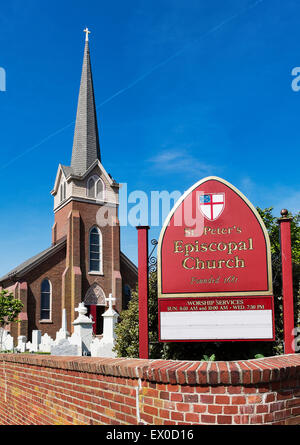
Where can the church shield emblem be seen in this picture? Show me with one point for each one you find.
(212, 205)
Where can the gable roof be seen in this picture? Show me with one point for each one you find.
(128, 262)
(67, 170)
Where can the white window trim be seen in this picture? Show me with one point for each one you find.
(87, 187)
(96, 179)
(46, 320)
(96, 272)
(63, 191)
(103, 190)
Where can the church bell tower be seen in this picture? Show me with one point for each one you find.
(86, 200)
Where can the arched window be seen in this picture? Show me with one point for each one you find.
(46, 300)
(91, 188)
(62, 191)
(126, 295)
(100, 189)
(95, 301)
(95, 251)
(95, 188)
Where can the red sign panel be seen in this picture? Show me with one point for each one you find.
(214, 244)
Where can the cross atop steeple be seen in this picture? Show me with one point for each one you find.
(87, 32)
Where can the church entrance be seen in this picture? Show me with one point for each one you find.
(96, 312)
(95, 302)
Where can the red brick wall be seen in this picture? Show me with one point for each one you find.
(51, 269)
(110, 246)
(129, 276)
(43, 390)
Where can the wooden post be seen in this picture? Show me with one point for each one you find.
(143, 288)
(287, 282)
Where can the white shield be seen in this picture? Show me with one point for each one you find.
(212, 205)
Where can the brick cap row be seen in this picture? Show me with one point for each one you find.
(264, 370)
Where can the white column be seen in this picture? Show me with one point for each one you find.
(22, 343)
(83, 329)
(110, 319)
(104, 347)
(62, 334)
(36, 340)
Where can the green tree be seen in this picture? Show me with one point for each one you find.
(127, 330)
(10, 308)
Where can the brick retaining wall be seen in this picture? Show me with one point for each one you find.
(48, 390)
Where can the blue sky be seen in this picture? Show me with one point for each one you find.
(184, 89)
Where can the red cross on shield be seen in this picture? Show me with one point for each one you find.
(212, 205)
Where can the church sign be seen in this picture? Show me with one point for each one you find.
(214, 268)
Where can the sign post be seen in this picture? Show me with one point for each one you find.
(143, 290)
(214, 268)
(287, 282)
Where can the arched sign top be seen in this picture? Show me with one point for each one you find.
(214, 242)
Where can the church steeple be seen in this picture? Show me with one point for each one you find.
(86, 148)
(86, 179)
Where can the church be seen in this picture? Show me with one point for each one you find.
(84, 262)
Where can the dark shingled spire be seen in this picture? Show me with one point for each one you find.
(86, 148)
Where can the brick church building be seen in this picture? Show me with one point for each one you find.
(84, 262)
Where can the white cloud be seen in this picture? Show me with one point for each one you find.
(179, 161)
(247, 186)
(271, 195)
(288, 200)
